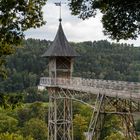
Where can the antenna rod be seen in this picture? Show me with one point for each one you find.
(59, 4)
(60, 12)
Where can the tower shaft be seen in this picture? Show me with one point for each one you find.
(60, 116)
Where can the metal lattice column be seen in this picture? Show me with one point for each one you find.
(105, 105)
(97, 119)
(60, 116)
(130, 128)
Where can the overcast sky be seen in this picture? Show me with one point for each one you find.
(75, 29)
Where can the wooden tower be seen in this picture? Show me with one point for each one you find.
(61, 56)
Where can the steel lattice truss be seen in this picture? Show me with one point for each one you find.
(110, 97)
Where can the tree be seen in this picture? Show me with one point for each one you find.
(8, 124)
(120, 19)
(112, 127)
(32, 94)
(13, 136)
(115, 136)
(138, 125)
(36, 128)
(16, 17)
(80, 126)
(10, 100)
(35, 110)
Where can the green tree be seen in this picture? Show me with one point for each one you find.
(16, 17)
(112, 127)
(38, 110)
(35, 110)
(8, 124)
(115, 136)
(36, 128)
(82, 109)
(32, 94)
(23, 115)
(138, 125)
(80, 126)
(120, 18)
(13, 136)
(10, 100)
(99, 60)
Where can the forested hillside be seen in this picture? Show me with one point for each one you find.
(110, 61)
(100, 59)
(24, 110)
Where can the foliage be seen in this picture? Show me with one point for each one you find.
(30, 120)
(82, 109)
(80, 126)
(25, 66)
(16, 17)
(103, 60)
(138, 125)
(36, 128)
(112, 126)
(98, 59)
(39, 111)
(115, 136)
(32, 94)
(13, 136)
(23, 120)
(34, 110)
(7, 124)
(120, 18)
(10, 100)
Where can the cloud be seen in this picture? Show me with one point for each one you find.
(90, 29)
(75, 29)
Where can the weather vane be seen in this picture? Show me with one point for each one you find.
(59, 4)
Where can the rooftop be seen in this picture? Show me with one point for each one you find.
(60, 46)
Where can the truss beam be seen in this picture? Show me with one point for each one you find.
(60, 113)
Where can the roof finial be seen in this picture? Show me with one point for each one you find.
(60, 19)
(59, 4)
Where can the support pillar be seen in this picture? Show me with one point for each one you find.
(128, 122)
(97, 119)
(60, 117)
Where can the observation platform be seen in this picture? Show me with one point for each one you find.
(119, 89)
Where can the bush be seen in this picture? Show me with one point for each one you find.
(23, 115)
(32, 94)
(80, 126)
(8, 124)
(34, 110)
(8, 136)
(115, 136)
(36, 128)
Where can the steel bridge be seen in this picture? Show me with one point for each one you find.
(109, 97)
(112, 97)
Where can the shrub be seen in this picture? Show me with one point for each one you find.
(36, 128)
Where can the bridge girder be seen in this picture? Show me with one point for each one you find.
(123, 108)
(60, 113)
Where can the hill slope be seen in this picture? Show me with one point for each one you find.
(100, 59)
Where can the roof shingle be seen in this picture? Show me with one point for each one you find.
(60, 46)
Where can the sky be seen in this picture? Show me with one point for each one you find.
(76, 30)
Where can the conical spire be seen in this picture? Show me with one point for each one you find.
(60, 45)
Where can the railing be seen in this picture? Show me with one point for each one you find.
(82, 82)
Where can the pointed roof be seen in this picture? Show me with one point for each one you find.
(60, 46)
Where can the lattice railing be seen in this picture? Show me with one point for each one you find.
(104, 84)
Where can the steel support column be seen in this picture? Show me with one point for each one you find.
(121, 107)
(97, 119)
(60, 116)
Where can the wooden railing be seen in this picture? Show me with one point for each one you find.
(80, 82)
